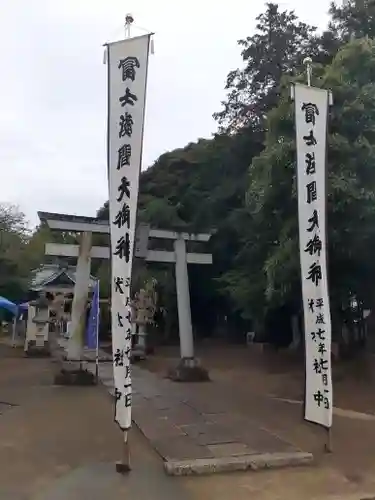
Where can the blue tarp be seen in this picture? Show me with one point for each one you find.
(8, 305)
(11, 307)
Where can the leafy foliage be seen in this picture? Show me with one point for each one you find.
(355, 18)
(277, 48)
(272, 197)
(13, 238)
(252, 159)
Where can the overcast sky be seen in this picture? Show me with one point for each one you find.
(53, 87)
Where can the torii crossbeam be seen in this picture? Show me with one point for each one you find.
(188, 368)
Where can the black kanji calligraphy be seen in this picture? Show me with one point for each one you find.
(319, 334)
(127, 302)
(320, 365)
(123, 156)
(119, 283)
(311, 192)
(127, 371)
(128, 396)
(118, 395)
(326, 401)
(311, 111)
(127, 353)
(119, 320)
(315, 273)
(128, 66)
(310, 139)
(310, 303)
(321, 397)
(322, 349)
(128, 98)
(314, 246)
(118, 358)
(123, 217)
(318, 397)
(128, 316)
(313, 221)
(319, 303)
(325, 379)
(123, 189)
(320, 319)
(128, 334)
(126, 125)
(123, 248)
(310, 163)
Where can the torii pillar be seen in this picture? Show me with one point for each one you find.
(188, 369)
(183, 301)
(81, 288)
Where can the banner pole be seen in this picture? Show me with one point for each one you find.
(97, 336)
(328, 444)
(124, 466)
(14, 327)
(328, 430)
(127, 62)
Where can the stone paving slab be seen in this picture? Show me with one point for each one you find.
(197, 429)
(260, 461)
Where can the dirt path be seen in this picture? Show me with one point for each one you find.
(60, 443)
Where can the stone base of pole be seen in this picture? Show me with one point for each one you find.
(138, 353)
(35, 351)
(188, 370)
(72, 373)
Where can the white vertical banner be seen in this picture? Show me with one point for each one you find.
(127, 62)
(311, 115)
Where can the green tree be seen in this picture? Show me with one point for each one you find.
(353, 19)
(267, 268)
(203, 185)
(34, 248)
(14, 234)
(199, 188)
(277, 48)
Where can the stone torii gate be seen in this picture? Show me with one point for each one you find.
(188, 368)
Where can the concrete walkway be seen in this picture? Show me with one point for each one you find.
(198, 428)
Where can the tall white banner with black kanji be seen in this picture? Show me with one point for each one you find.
(311, 115)
(127, 62)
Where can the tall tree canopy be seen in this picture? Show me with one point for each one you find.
(13, 238)
(199, 188)
(205, 184)
(353, 19)
(272, 244)
(277, 48)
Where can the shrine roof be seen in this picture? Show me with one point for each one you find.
(54, 274)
